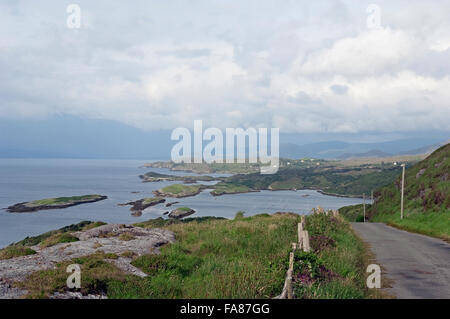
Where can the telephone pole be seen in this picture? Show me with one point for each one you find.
(403, 191)
(364, 205)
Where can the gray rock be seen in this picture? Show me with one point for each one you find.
(101, 239)
(180, 213)
(75, 295)
(420, 173)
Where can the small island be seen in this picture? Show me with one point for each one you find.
(181, 212)
(139, 205)
(157, 177)
(179, 190)
(54, 203)
(228, 188)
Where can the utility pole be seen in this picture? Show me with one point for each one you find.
(364, 205)
(403, 190)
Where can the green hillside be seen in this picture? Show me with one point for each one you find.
(427, 198)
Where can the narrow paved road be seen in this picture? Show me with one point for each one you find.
(418, 265)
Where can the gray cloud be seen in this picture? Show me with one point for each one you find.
(339, 89)
(306, 67)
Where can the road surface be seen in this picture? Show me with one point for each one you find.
(419, 266)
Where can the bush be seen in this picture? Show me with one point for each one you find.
(239, 214)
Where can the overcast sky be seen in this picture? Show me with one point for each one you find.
(302, 66)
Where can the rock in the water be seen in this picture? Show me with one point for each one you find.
(181, 212)
(139, 205)
(170, 204)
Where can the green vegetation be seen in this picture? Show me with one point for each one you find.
(161, 222)
(242, 258)
(97, 273)
(228, 188)
(51, 238)
(331, 180)
(179, 190)
(427, 197)
(53, 203)
(36, 240)
(58, 238)
(150, 200)
(204, 168)
(426, 201)
(239, 214)
(62, 200)
(218, 258)
(435, 224)
(355, 213)
(335, 268)
(331, 177)
(157, 177)
(15, 251)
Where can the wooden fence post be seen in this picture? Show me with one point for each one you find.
(290, 293)
(300, 235)
(306, 246)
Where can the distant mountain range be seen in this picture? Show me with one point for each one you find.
(343, 150)
(72, 137)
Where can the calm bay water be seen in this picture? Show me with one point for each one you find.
(29, 179)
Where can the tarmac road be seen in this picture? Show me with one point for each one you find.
(418, 265)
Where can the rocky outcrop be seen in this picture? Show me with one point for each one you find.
(106, 239)
(139, 205)
(170, 204)
(181, 213)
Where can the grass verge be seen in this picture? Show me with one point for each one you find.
(335, 268)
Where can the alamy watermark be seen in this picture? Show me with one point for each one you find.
(74, 280)
(76, 19)
(374, 18)
(374, 279)
(213, 152)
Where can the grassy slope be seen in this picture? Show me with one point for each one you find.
(244, 258)
(216, 258)
(241, 258)
(427, 198)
